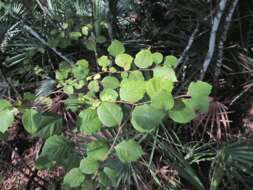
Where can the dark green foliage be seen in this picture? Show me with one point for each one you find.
(112, 88)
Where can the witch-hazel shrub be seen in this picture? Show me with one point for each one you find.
(126, 100)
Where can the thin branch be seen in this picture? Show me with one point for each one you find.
(224, 36)
(213, 37)
(188, 47)
(37, 36)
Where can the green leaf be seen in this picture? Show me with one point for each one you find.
(4, 104)
(28, 121)
(155, 85)
(68, 89)
(109, 95)
(199, 88)
(124, 61)
(171, 61)
(85, 30)
(136, 75)
(128, 151)
(97, 150)
(146, 118)
(101, 39)
(81, 69)
(182, 112)
(110, 114)
(199, 92)
(47, 124)
(104, 180)
(110, 82)
(132, 91)
(63, 72)
(157, 57)
(116, 48)
(74, 178)
(89, 165)
(124, 75)
(166, 73)
(75, 35)
(143, 59)
(58, 151)
(93, 86)
(199, 104)
(6, 119)
(163, 100)
(103, 61)
(42, 125)
(89, 122)
(91, 43)
(111, 174)
(79, 84)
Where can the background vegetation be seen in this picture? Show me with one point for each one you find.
(212, 41)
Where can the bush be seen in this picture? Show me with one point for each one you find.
(127, 99)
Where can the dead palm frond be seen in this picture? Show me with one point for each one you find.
(215, 123)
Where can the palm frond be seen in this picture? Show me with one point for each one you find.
(233, 165)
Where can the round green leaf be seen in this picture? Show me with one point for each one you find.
(166, 73)
(171, 61)
(63, 72)
(199, 92)
(89, 122)
(132, 91)
(116, 48)
(79, 84)
(110, 82)
(128, 151)
(93, 86)
(143, 59)
(110, 114)
(109, 95)
(74, 178)
(146, 118)
(6, 119)
(101, 39)
(136, 75)
(89, 165)
(199, 104)
(182, 112)
(103, 61)
(163, 100)
(28, 121)
(157, 57)
(124, 60)
(124, 75)
(199, 88)
(4, 104)
(91, 44)
(75, 35)
(97, 150)
(111, 174)
(104, 180)
(156, 85)
(85, 30)
(81, 69)
(68, 89)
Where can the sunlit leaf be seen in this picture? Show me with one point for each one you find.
(146, 118)
(143, 59)
(110, 114)
(128, 151)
